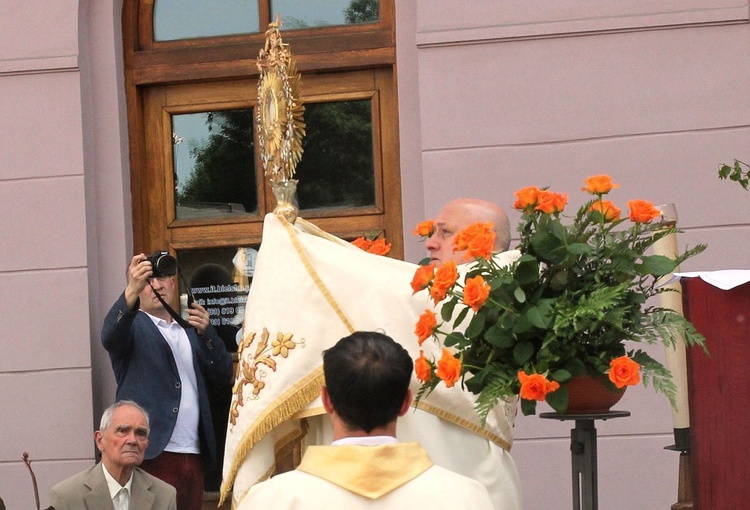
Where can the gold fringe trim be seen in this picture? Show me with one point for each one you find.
(472, 427)
(285, 406)
(308, 413)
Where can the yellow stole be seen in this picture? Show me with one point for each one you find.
(370, 471)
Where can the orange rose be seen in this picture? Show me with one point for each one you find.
(448, 368)
(609, 210)
(526, 198)
(623, 371)
(423, 368)
(422, 277)
(642, 211)
(362, 243)
(379, 247)
(550, 202)
(481, 243)
(426, 326)
(438, 294)
(599, 185)
(535, 386)
(425, 228)
(478, 240)
(476, 292)
(445, 277)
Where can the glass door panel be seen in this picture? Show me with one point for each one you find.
(322, 13)
(190, 19)
(214, 164)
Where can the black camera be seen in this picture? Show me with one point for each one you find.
(162, 264)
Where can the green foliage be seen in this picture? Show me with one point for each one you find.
(362, 11)
(572, 302)
(735, 172)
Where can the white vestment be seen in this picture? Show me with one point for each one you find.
(309, 290)
(383, 477)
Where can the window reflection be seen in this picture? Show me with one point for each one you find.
(320, 13)
(214, 164)
(189, 19)
(219, 280)
(337, 164)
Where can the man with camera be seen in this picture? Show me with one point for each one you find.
(163, 363)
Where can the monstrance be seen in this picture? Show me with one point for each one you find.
(279, 116)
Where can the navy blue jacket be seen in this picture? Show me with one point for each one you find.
(146, 372)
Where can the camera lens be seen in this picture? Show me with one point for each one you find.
(166, 265)
(163, 264)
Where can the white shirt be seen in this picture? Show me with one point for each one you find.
(185, 435)
(120, 493)
(365, 440)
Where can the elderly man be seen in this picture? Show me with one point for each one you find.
(449, 444)
(367, 376)
(116, 482)
(456, 216)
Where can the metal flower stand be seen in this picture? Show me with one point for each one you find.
(583, 455)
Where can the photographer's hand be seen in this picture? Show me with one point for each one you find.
(198, 317)
(139, 271)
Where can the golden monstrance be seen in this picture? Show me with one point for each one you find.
(280, 120)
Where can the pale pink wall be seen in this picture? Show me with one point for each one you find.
(491, 98)
(64, 219)
(45, 366)
(512, 94)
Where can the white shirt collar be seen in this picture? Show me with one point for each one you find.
(365, 441)
(158, 320)
(113, 485)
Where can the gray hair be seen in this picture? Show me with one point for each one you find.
(108, 412)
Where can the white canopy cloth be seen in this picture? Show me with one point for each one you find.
(310, 289)
(724, 279)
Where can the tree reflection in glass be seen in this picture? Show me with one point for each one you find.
(214, 164)
(337, 169)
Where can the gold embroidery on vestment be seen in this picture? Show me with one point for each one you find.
(255, 370)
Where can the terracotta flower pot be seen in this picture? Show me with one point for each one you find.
(589, 395)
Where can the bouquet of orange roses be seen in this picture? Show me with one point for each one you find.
(571, 304)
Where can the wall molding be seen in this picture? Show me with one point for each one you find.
(58, 64)
(498, 25)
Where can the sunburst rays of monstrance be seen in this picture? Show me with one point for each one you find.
(279, 115)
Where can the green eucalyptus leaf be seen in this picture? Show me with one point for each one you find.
(559, 281)
(558, 230)
(536, 317)
(579, 248)
(658, 265)
(476, 326)
(457, 340)
(528, 407)
(575, 366)
(523, 351)
(446, 312)
(461, 316)
(521, 324)
(558, 400)
(527, 270)
(561, 375)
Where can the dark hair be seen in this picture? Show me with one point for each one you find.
(367, 376)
